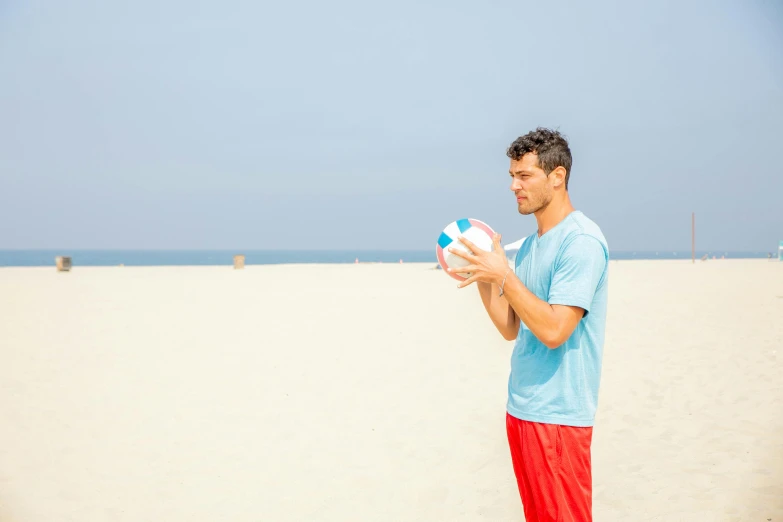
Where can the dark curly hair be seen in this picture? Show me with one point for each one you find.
(550, 146)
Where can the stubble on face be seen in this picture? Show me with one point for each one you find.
(534, 190)
(535, 200)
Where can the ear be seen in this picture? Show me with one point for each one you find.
(558, 176)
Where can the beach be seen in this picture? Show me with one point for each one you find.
(370, 392)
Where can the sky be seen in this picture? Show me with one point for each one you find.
(351, 124)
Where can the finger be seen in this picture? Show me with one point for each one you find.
(496, 242)
(461, 253)
(469, 281)
(465, 241)
(470, 269)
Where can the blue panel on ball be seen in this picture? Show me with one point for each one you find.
(463, 225)
(444, 240)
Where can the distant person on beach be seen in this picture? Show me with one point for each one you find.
(553, 305)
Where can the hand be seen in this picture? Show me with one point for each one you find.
(486, 267)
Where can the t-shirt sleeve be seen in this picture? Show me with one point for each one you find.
(578, 272)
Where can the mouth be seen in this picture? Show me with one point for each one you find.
(520, 198)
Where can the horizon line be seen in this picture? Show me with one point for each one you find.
(239, 250)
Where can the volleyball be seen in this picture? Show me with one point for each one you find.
(475, 231)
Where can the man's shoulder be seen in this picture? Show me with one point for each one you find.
(582, 227)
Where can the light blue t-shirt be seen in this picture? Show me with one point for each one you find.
(568, 266)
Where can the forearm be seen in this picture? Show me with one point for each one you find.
(537, 314)
(499, 310)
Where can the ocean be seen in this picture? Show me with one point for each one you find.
(11, 258)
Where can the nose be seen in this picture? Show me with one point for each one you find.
(516, 184)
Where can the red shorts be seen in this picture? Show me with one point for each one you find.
(552, 466)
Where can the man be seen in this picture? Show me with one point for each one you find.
(553, 304)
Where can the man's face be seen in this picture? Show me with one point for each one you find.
(530, 184)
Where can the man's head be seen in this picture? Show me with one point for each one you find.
(540, 167)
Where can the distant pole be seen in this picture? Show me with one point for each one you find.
(693, 237)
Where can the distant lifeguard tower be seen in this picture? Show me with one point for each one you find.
(63, 263)
(780, 251)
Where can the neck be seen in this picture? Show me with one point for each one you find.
(555, 212)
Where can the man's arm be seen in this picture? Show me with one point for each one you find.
(551, 324)
(502, 314)
(574, 281)
(573, 286)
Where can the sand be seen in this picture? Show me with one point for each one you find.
(370, 392)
